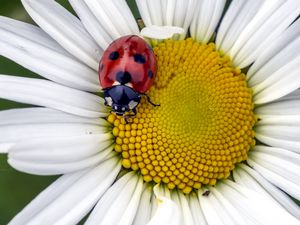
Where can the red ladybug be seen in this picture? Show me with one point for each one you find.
(126, 71)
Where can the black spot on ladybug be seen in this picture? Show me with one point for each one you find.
(138, 58)
(101, 67)
(150, 73)
(123, 77)
(114, 55)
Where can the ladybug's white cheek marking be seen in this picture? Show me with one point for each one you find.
(132, 104)
(129, 84)
(108, 101)
(116, 83)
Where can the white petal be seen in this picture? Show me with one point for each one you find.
(283, 111)
(186, 211)
(61, 149)
(32, 48)
(209, 212)
(278, 152)
(285, 120)
(281, 172)
(56, 189)
(196, 210)
(30, 32)
(106, 13)
(58, 167)
(131, 207)
(279, 136)
(119, 203)
(221, 206)
(155, 10)
(226, 206)
(145, 12)
(267, 32)
(39, 115)
(15, 133)
(293, 95)
(46, 93)
(181, 201)
(4, 147)
(282, 132)
(206, 19)
(161, 32)
(168, 212)
(248, 177)
(66, 29)
(90, 22)
(278, 84)
(70, 198)
(279, 52)
(24, 124)
(255, 207)
(144, 209)
(154, 201)
(237, 16)
(58, 155)
(161, 190)
(168, 13)
(264, 22)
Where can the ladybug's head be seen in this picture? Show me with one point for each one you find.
(121, 99)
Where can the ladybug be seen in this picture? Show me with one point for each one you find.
(126, 71)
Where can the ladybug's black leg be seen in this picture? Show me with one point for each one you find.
(149, 100)
(134, 111)
(129, 116)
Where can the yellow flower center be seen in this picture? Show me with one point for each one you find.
(201, 129)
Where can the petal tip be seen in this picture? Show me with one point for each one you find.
(161, 32)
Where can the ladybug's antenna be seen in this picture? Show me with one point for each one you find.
(149, 100)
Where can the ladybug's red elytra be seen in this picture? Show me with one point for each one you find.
(126, 71)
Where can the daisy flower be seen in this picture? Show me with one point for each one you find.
(222, 147)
